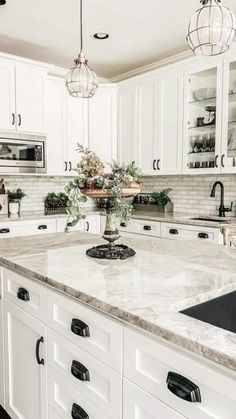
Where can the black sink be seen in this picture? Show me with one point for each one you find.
(213, 220)
(220, 312)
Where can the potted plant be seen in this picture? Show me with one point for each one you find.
(14, 199)
(55, 203)
(163, 201)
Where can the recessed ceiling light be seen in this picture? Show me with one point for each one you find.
(101, 35)
(2, 2)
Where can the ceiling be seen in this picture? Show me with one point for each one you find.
(141, 31)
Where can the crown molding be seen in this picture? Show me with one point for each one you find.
(151, 67)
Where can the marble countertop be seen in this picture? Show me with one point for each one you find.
(147, 291)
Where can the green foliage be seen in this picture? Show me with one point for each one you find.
(161, 198)
(56, 200)
(16, 195)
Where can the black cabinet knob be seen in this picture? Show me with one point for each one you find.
(78, 413)
(80, 328)
(4, 230)
(79, 371)
(183, 388)
(23, 294)
(42, 227)
(203, 236)
(173, 231)
(147, 228)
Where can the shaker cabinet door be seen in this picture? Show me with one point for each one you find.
(7, 96)
(25, 378)
(126, 124)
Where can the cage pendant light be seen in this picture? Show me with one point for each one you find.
(81, 81)
(212, 28)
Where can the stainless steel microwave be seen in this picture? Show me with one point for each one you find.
(21, 153)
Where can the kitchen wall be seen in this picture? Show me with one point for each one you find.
(191, 194)
(36, 189)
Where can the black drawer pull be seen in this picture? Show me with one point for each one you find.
(23, 294)
(80, 328)
(40, 361)
(203, 236)
(4, 230)
(123, 224)
(173, 231)
(78, 413)
(147, 228)
(183, 388)
(79, 371)
(42, 227)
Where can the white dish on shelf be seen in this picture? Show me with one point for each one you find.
(204, 93)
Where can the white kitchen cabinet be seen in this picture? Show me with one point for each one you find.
(27, 227)
(103, 123)
(126, 124)
(91, 224)
(25, 379)
(53, 415)
(56, 150)
(170, 123)
(7, 97)
(138, 404)
(30, 99)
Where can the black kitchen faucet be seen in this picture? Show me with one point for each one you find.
(222, 208)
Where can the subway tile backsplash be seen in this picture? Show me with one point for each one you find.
(191, 194)
(36, 189)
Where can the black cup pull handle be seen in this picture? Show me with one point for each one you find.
(79, 371)
(147, 228)
(173, 231)
(78, 327)
(5, 230)
(13, 119)
(158, 164)
(66, 166)
(123, 224)
(19, 119)
(78, 413)
(216, 160)
(40, 361)
(87, 226)
(183, 388)
(42, 227)
(223, 160)
(203, 236)
(23, 294)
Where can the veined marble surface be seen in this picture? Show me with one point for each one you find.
(148, 290)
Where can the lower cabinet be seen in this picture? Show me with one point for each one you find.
(137, 404)
(91, 224)
(25, 372)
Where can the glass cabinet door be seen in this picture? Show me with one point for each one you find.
(202, 125)
(228, 156)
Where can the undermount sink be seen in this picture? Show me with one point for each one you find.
(213, 220)
(220, 312)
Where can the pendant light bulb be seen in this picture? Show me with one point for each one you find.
(212, 29)
(81, 80)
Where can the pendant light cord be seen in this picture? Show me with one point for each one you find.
(81, 25)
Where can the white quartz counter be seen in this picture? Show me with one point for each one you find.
(147, 290)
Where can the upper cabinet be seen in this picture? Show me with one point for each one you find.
(202, 118)
(103, 123)
(126, 123)
(22, 99)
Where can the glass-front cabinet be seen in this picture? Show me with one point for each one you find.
(228, 156)
(202, 110)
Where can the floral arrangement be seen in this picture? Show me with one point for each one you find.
(91, 175)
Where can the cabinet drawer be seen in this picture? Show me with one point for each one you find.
(64, 399)
(24, 293)
(147, 363)
(105, 335)
(27, 228)
(180, 231)
(89, 377)
(148, 228)
(137, 404)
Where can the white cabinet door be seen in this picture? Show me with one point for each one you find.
(7, 96)
(126, 124)
(103, 123)
(25, 378)
(55, 111)
(30, 99)
(76, 130)
(138, 404)
(146, 123)
(170, 122)
(93, 224)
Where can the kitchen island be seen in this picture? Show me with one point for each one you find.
(137, 302)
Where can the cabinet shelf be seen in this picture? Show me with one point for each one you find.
(201, 153)
(205, 129)
(204, 102)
